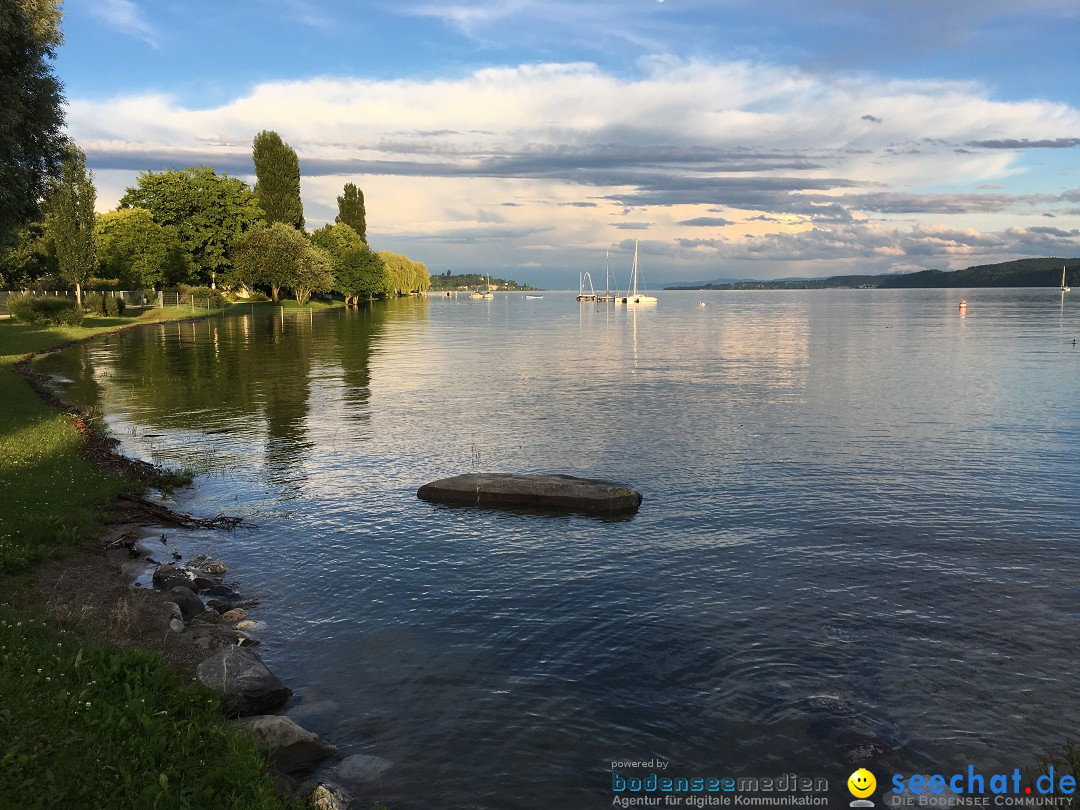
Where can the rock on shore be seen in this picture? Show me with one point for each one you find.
(291, 749)
(561, 492)
(244, 683)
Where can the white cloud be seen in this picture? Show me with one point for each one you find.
(550, 156)
(126, 17)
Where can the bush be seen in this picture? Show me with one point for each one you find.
(95, 303)
(101, 304)
(45, 308)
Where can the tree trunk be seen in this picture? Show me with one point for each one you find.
(78, 293)
(274, 293)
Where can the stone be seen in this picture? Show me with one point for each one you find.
(169, 576)
(176, 625)
(208, 565)
(291, 749)
(361, 769)
(190, 605)
(329, 797)
(234, 615)
(559, 492)
(208, 617)
(243, 681)
(174, 610)
(203, 582)
(248, 624)
(222, 592)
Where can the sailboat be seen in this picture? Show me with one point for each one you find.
(608, 295)
(632, 295)
(1064, 286)
(487, 289)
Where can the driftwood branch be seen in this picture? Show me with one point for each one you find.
(170, 517)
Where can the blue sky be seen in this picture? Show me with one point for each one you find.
(733, 138)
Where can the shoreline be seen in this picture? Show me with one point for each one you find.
(95, 587)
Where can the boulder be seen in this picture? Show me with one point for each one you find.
(244, 683)
(203, 582)
(169, 576)
(234, 615)
(208, 565)
(222, 592)
(190, 605)
(291, 749)
(560, 492)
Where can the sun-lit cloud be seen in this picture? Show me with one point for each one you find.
(710, 161)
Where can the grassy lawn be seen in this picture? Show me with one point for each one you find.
(81, 724)
(89, 726)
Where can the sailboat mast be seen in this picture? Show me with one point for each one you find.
(634, 271)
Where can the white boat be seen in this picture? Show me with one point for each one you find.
(487, 289)
(1064, 286)
(632, 295)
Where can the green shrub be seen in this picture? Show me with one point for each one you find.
(95, 303)
(114, 307)
(45, 308)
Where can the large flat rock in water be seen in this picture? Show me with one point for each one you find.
(563, 492)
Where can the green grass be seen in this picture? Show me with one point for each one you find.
(85, 725)
(51, 496)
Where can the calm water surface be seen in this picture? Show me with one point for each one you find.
(859, 543)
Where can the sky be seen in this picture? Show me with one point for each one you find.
(733, 138)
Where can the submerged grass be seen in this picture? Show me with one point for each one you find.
(81, 724)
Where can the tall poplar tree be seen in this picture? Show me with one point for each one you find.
(70, 220)
(277, 180)
(31, 113)
(351, 210)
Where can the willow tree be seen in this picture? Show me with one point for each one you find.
(351, 210)
(70, 220)
(277, 180)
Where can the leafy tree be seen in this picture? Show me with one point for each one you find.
(313, 273)
(277, 180)
(208, 211)
(351, 210)
(336, 239)
(134, 248)
(360, 272)
(32, 256)
(31, 113)
(70, 220)
(279, 256)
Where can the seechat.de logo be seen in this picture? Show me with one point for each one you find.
(861, 784)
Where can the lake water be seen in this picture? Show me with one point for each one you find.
(859, 542)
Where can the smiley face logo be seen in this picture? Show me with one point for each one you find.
(861, 783)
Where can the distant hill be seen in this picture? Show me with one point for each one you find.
(1017, 273)
(474, 281)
